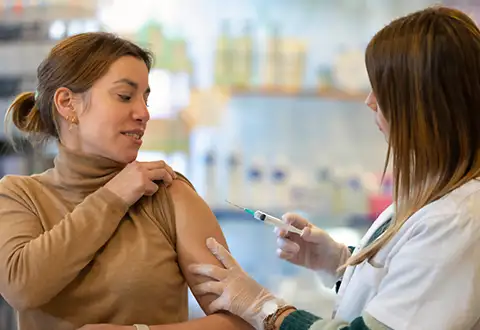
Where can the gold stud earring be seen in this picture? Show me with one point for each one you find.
(73, 121)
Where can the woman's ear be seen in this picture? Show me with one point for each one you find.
(63, 100)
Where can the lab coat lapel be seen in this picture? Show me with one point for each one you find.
(382, 219)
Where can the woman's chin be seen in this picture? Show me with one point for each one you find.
(126, 157)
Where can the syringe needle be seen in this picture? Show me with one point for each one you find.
(241, 208)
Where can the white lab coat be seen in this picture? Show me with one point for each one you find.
(428, 275)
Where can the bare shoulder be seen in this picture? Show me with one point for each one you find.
(182, 185)
(191, 209)
(183, 193)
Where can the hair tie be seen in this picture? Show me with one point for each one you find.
(36, 95)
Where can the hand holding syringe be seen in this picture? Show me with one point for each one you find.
(268, 219)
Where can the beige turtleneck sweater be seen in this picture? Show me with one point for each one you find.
(72, 253)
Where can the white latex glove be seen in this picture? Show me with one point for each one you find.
(314, 249)
(237, 292)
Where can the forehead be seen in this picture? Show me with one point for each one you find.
(127, 68)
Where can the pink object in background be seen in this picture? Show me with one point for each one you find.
(381, 198)
(377, 204)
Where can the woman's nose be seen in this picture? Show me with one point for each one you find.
(141, 113)
(371, 101)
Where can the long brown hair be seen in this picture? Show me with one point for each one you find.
(76, 63)
(424, 69)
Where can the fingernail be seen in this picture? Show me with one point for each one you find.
(211, 242)
(306, 231)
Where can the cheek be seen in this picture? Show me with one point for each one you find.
(102, 111)
(382, 121)
(99, 123)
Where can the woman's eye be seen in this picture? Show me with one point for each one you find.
(124, 98)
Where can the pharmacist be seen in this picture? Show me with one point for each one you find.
(420, 268)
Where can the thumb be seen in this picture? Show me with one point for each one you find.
(151, 188)
(217, 305)
(313, 234)
(295, 220)
(221, 253)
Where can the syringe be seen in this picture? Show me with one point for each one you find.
(268, 219)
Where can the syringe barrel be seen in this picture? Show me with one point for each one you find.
(271, 220)
(262, 216)
(259, 215)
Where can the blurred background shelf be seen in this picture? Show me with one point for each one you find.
(331, 94)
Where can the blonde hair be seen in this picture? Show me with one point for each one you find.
(424, 69)
(76, 63)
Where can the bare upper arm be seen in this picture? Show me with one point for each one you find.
(195, 222)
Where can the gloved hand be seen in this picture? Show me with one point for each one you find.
(238, 293)
(314, 249)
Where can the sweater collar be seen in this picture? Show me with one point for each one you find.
(83, 173)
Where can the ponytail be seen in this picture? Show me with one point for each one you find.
(25, 115)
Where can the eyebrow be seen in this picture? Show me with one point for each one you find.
(131, 83)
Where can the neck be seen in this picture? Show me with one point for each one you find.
(81, 173)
